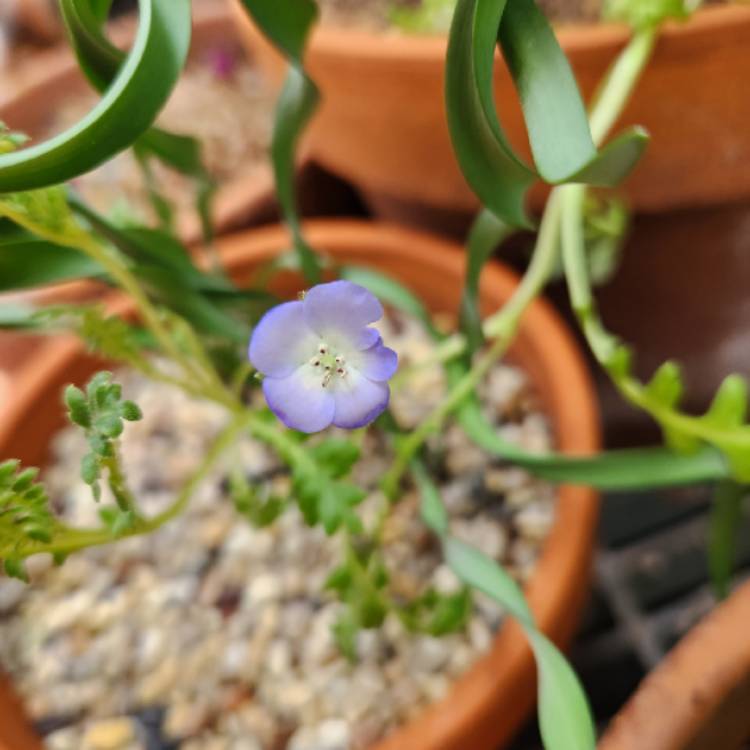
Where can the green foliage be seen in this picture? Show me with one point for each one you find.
(25, 515)
(486, 235)
(606, 225)
(561, 143)
(438, 614)
(101, 61)
(321, 495)
(288, 26)
(118, 521)
(10, 140)
(260, 509)
(564, 715)
(648, 13)
(132, 102)
(427, 17)
(360, 582)
(723, 426)
(725, 524)
(101, 412)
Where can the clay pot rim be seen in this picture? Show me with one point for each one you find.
(505, 674)
(364, 44)
(248, 192)
(699, 690)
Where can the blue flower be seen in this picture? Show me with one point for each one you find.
(322, 362)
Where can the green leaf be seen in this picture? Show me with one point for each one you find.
(666, 386)
(288, 26)
(625, 469)
(336, 457)
(78, 408)
(642, 14)
(345, 631)
(485, 575)
(26, 261)
(555, 116)
(130, 411)
(430, 16)
(564, 715)
(432, 509)
(26, 518)
(729, 407)
(725, 522)
(439, 614)
(486, 234)
(125, 112)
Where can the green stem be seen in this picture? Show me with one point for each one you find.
(619, 83)
(118, 484)
(501, 327)
(73, 540)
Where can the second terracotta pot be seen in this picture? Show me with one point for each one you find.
(488, 704)
(382, 123)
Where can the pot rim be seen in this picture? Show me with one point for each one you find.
(360, 43)
(505, 675)
(698, 696)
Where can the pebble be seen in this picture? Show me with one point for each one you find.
(224, 630)
(112, 734)
(333, 734)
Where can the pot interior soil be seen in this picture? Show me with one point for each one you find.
(215, 633)
(222, 99)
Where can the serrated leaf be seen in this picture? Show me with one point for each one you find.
(123, 522)
(666, 385)
(335, 456)
(345, 631)
(78, 408)
(729, 407)
(90, 469)
(130, 411)
(16, 569)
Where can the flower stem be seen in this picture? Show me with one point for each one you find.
(501, 327)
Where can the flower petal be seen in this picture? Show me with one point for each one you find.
(376, 363)
(282, 341)
(340, 312)
(300, 401)
(359, 400)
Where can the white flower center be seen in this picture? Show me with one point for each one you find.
(329, 364)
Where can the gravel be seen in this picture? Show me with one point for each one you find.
(214, 634)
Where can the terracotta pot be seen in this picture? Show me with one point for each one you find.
(699, 697)
(51, 78)
(382, 122)
(39, 18)
(487, 705)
